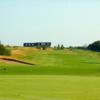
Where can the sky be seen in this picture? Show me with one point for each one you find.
(68, 22)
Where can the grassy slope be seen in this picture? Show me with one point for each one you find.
(57, 75)
(53, 62)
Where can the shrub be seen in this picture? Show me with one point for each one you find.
(4, 51)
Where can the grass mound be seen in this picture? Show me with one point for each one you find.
(54, 62)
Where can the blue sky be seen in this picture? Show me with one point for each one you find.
(68, 22)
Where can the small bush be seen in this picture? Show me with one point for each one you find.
(4, 51)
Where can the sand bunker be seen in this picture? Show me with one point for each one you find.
(14, 61)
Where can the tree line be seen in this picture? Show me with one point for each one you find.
(95, 46)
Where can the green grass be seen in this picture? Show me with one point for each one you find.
(44, 87)
(55, 62)
(57, 75)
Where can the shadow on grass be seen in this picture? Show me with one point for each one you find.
(91, 62)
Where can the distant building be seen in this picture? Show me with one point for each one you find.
(37, 44)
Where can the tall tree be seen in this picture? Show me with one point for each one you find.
(58, 47)
(62, 46)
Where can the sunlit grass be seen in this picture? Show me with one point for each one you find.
(57, 75)
(54, 62)
(37, 87)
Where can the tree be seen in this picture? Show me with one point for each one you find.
(62, 47)
(58, 47)
(95, 46)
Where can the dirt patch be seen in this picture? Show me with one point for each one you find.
(14, 61)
